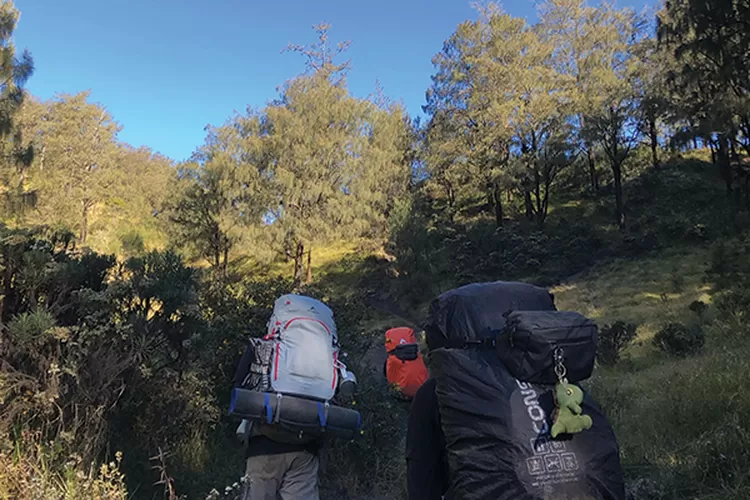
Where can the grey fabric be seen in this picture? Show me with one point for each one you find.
(285, 476)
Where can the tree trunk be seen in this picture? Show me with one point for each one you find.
(538, 195)
(226, 258)
(722, 157)
(735, 157)
(619, 205)
(308, 278)
(592, 169)
(497, 200)
(299, 256)
(712, 148)
(528, 204)
(84, 223)
(653, 134)
(451, 194)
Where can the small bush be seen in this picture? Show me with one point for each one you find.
(698, 307)
(733, 309)
(613, 339)
(680, 340)
(132, 243)
(29, 327)
(677, 279)
(32, 472)
(733, 304)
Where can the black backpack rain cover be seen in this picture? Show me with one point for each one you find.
(497, 428)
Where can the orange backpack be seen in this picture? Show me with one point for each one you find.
(406, 372)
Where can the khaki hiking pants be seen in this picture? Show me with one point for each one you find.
(286, 476)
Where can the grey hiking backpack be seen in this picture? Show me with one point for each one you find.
(305, 359)
(296, 371)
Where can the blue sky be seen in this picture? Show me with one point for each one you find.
(167, 68)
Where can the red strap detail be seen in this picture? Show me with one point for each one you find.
(335, 371)
(276, 363)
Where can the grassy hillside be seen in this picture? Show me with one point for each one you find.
(679, 417)
(680, 421)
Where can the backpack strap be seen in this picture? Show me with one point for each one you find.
(323, 414)
(268, 408)
(277, 417)
(484, 344)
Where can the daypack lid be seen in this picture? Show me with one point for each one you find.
(398, 336)
(471, 312)
(303, 303)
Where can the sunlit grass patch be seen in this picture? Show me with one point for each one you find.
(648, 292)
(682, 422)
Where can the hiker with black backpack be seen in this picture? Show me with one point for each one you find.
(283, 391)
(501, 417)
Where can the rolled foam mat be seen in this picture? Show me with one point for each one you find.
(312, 417)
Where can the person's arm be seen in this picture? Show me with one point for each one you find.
(424, 446)
(244, 366)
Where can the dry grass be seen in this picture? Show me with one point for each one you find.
(27, 474)
(647, 292)
(681, 422)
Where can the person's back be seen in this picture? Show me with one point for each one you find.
(427, 468)
(494, 428)
(274, 468)
(283, 379)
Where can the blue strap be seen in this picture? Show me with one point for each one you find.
(359, 422)
(233, 401)
(267, 406)
(321, 415)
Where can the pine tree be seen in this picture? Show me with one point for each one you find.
(77, 165)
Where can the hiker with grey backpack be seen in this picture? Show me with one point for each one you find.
(284, 389)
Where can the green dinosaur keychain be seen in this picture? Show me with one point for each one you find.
(569, 418)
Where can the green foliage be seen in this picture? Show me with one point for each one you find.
(687, 437)
(266, 180)
(27, 328)
(680, 340)
(137, 352)
(28, 474)
(132, 243)
(698, 307)
(613, 339)
(14, 70)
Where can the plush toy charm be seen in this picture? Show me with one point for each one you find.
(568, 417)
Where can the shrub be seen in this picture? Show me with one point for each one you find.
(132, 243)
(733, 308)
(33, 471)
(698, 307)
(613, 339)
(680, 340)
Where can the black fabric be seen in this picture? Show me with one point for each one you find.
(295, 419)
(427, 469)
(528, 342)
(262, 445)
(243, 368)
(497, 438)
(405, 352)
(475, 312)
(497, 428)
